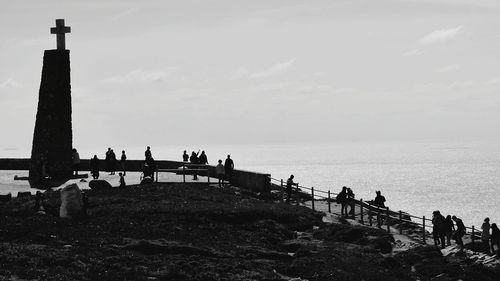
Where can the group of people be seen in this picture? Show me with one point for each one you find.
(110, 163)
(224, 171)
(451, 227)
(346, 199)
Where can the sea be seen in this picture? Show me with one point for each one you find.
(461, 179)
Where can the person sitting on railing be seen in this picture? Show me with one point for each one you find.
(379, 200)
(219, 170)
(289, 186)
(460, 232)
(342, 200)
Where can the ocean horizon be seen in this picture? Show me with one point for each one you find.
(459, 179)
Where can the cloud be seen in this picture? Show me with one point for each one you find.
(449, 68)
(139, 75)
(123, 14)
(274, 70)
(414, 52)
(9, 83)
(493, 81)
(239, 73)
(441, 35)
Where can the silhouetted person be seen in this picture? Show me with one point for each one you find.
(185, 156)
(448, 230)
(94, 167)
(342, 200)
(122, 180)
(107, 160)
(152, 166)
(194, 160)
(146, 171)
(350, 201)
(485, 235)
(112, 162)
(289, 188)
(228, 168)
(147, 153)
(123, 161)
(459, 233)
(379, 200)
(219, 170)
(203, 160)
(76, 161)
(438, 229)
(495, 239)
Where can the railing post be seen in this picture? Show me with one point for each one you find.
(156, 175)
(370, 217)
(329, 203)
(208, 175)
(184, 172)
(312, 197)
(400, 222)
(361, 211)
(282, 191)
(297, 194)
(472, 236)
(387, 219)
(423, 229)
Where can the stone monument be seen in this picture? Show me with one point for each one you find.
(51, 162)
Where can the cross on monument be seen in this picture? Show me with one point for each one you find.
(60, 30)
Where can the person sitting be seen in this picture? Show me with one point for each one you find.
(379, 200)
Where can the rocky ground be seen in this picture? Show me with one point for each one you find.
(201, 232)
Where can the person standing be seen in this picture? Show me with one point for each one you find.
(438, 229)
(289, 187)
(495, 239)
(76, 161)
(123, 160)
(194, 161)
(219, 170)
(485, 235)
(185, 156)
(229, 167)
(107, 160)
(350, 201)
(94, 167)
(122, 180)
(112, 162)
(342, 200)
(147, 153)
(459, 233)
(448, 230)
(379, 200)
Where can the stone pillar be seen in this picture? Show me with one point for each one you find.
(52, 140)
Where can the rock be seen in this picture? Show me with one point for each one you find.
(71, 202)
(429, 268)
(383, 244)
(99, 184)
(390, 262)
(147, 180)
(25, 194)
(151, 247)
(5, 197)
(441, 277)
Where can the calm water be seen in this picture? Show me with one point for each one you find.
(460, 179)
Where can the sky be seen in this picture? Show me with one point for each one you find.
(242, 72)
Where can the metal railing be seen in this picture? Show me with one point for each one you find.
(187, 169)
(382, 215)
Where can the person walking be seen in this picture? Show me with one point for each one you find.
(219, 170)
(485, 235)
(229, 167)
(122, 181)
(76, 161)
(495, 239)
(123, 161)
(94, 167)
(460, 232)
(289, 187)
(449, 227)
(342, 200)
